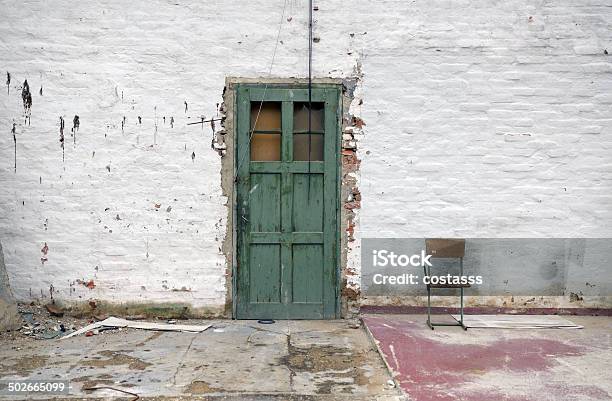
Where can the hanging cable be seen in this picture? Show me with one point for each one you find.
(252, 129)
(241, 158)
(309, 90)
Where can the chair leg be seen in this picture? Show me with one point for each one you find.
(429, 308)
(461, 322)
(462, 325)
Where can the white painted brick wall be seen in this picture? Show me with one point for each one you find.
(480, 122)
(488, 119)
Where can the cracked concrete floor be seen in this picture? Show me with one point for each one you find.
(289, 360)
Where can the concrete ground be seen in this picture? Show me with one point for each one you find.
(241, 360)
(449, 364)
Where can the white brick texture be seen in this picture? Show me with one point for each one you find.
(483, 119)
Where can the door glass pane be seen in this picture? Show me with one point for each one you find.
(300, 117)
(300, 147)
(266, 147)
(269, 118)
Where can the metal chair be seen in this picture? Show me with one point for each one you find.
(440, 248)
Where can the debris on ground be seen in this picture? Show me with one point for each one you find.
(54, 310)
(354, 324)
(114, 322)
(134, 395)
(41, 323)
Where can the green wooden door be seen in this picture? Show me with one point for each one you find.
(287, 206)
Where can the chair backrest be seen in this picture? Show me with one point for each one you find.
(445, 247)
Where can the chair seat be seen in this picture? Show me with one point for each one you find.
(449, 286)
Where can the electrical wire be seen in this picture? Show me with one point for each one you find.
(241, 159)
(309, 91)
(280, 26)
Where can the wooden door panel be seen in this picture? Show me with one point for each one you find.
(264, 200)
(308, 273)
(307, 203)
(287, 207)
(265, 266)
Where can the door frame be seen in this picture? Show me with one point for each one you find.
(235, 156)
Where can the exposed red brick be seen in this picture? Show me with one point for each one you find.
(350, 293)
(358, 122)
(352, 205)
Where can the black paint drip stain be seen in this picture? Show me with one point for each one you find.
(8, 83)
(122, 124)
(40, 91)
(14, 132)
(155, 132)
(26, 96)
(192, 156)
(212, 127)
(186, 107)
(75, 127)
(139, 120)
(171, 122)
(62, 136)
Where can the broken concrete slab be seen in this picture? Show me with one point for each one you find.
(238, 360)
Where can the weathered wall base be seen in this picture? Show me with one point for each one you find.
(509, 301)
(145, 310)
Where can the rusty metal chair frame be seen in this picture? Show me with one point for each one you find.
(441, 248)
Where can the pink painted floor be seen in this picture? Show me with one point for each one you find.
(450, 364)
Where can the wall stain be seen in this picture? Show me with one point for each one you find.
(122, 124)
(186, 107)
(26, 96)
(193, 156)
(88, 284)
(155, 132)
(214, 139)
(8, 83)
(14, 132)
(61, 130)
(41, 90)
(139, 120)
(171, 122)
(76, 123)
(45, 251)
